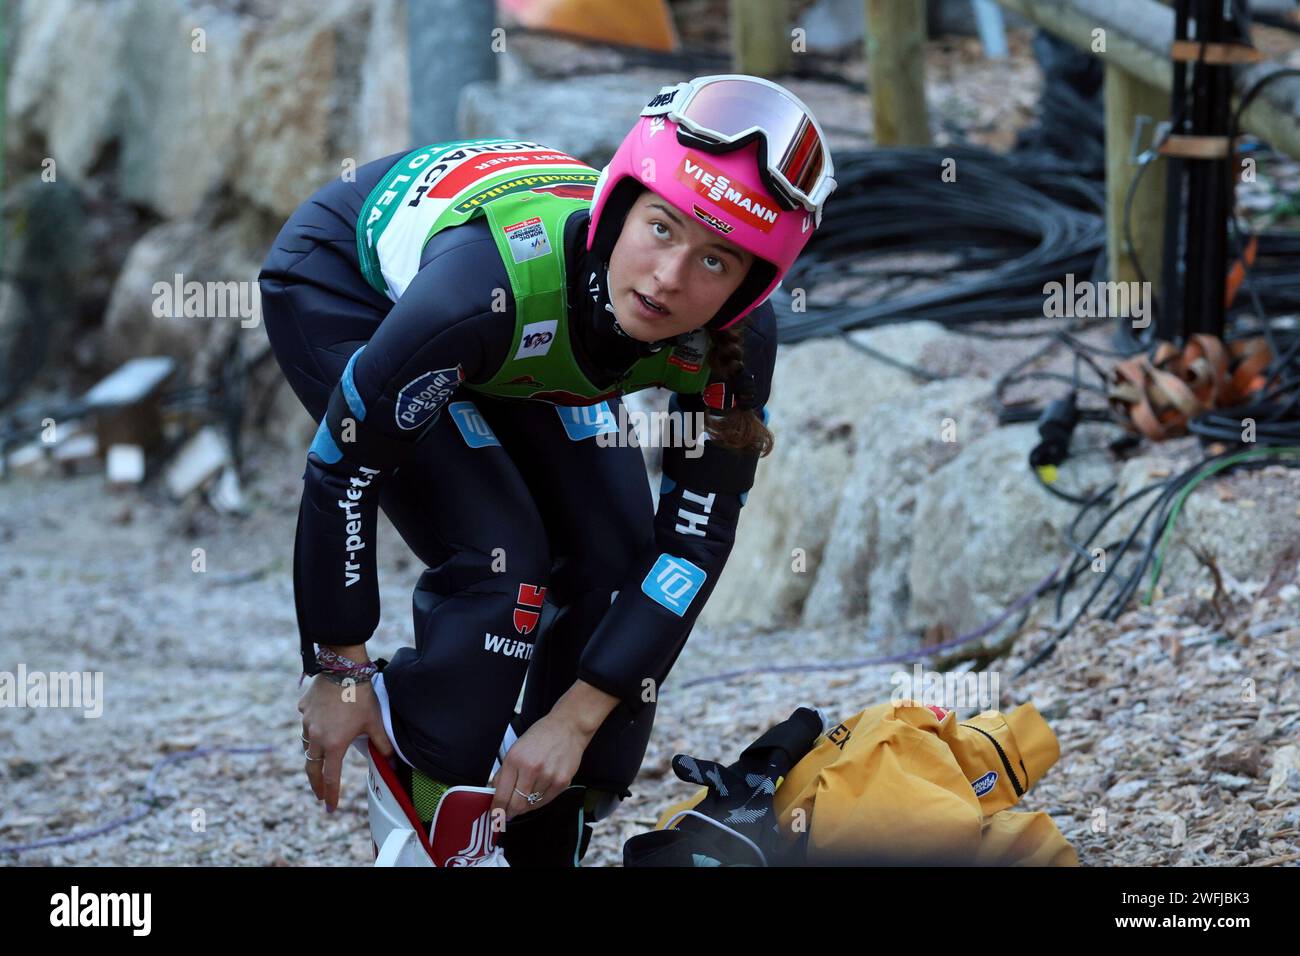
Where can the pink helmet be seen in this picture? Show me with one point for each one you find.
(739, 154)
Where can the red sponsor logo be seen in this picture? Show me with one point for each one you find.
(487, 164)
(683, 364)
(568, 190)
(527, 616)
(532, 221)
(524, 380)
(715, 395)
(739, 199)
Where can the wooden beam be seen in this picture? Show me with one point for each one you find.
(1126, 98)
(1215, 54)
(1195, 147)
(1138, 37)
(896, 72)
(760, 37)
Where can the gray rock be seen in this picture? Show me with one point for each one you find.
(384, 104)
(271, 99)
(65, 84)
(1232, 782)
(179, 119)
(1285, 775)
(821, 393)
(1126, 791)
(198, 253)
(1244, 522)
(301, 84)
(986, 532)
(897, 446)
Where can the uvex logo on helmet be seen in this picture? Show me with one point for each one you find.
(662, 99)
(727, 191)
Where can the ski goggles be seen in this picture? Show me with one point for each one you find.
(725, 112)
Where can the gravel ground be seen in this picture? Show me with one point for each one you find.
(1152, 712)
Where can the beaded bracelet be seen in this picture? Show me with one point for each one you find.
(337, 668)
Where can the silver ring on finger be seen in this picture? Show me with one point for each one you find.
(309, 757)
(532, 798)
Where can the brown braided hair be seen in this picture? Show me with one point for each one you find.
(736, 428)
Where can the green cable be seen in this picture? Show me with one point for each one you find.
(1182, 496)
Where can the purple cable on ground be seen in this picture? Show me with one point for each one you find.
(979, 632)
(149, 799)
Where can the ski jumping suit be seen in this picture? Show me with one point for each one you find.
(472, 420)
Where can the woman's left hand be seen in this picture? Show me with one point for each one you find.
(544, 760)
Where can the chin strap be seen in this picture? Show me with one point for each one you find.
(739, 392)
(602, 310)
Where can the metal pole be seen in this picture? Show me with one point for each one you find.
(451, 44)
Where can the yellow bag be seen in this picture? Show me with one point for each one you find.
(898, 783)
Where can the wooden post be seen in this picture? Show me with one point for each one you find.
(1128, 97)
(896, 71)
(760, 37)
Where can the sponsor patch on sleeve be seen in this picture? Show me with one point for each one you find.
(473, 427)
(422, 397)
(673, 582)
(586, 421)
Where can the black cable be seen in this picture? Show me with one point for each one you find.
(1169, 490)
(996, 205)
(920, 373)
(1063, 495)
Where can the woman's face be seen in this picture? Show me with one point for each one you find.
(683, 267)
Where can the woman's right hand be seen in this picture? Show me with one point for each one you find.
(334, 715)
